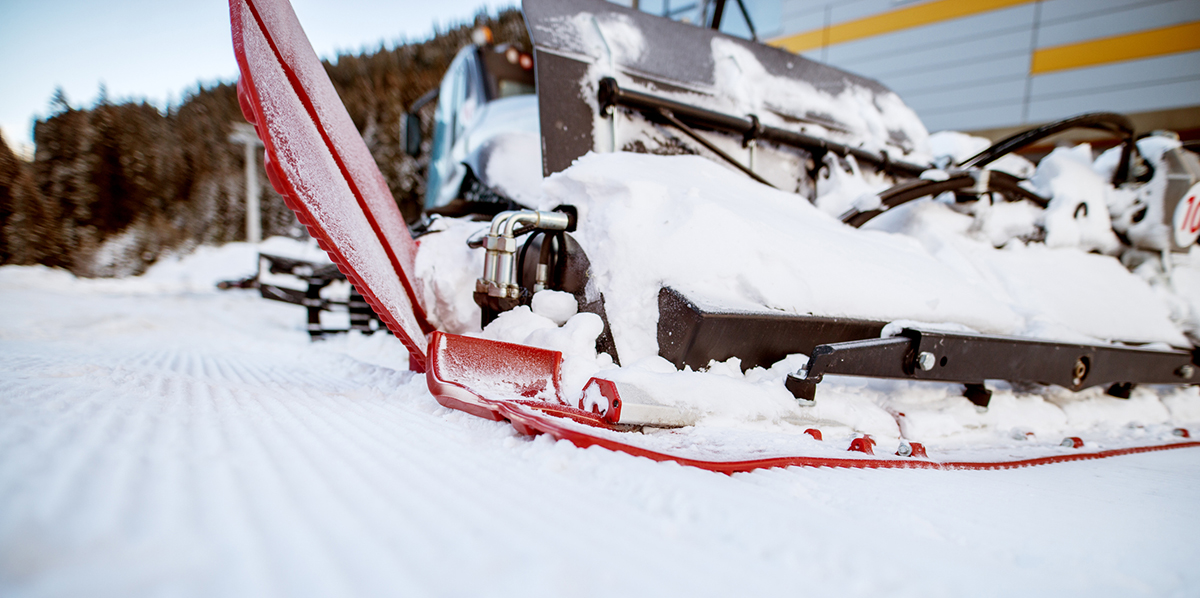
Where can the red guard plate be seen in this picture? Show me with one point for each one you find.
(317, 160)
(521, 385)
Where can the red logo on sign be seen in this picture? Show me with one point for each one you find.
(1191, 221)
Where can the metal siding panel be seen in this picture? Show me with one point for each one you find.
(1145, 98)
(976, 29)
(1055, 10)
(937, 56)
(807, 16)
(792, 24)
(798, 7)
(983, 95)
(1133, 74)
(973, 119)
(1126, 21)
(849, 11)
(766, 15)
(983, 71)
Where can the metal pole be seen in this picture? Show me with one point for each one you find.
(244, 134)
(253, 217)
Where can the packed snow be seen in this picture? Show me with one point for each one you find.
(159, 437)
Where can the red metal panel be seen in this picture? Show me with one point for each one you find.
(317, 160)
(521, 385)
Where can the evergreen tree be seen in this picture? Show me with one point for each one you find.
(113, 187)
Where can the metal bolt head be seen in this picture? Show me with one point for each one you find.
(926, 360)
(1186, 371)
(904, 450)
(1080, 370)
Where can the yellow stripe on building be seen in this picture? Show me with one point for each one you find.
(888, 22)
(1131, 46)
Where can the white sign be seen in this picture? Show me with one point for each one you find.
(1187, 218)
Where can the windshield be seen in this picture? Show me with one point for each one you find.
(509, 71)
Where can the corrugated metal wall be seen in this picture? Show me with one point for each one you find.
(986, 64)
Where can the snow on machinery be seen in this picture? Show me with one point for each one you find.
(604, 83)
(671, 78)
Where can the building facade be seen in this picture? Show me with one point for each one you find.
(994, 66)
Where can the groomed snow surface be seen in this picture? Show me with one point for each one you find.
(161, 438)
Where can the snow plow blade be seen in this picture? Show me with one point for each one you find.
(645, 80)
(316, 159)
(463, 371)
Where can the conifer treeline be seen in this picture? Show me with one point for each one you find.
(113, 187)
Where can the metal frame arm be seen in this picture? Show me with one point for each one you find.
(973, 358)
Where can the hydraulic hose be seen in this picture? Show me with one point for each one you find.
(1117, 124)
(978, 180)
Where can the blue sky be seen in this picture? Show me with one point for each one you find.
(159, 49)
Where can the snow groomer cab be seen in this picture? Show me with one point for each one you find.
(485, 156)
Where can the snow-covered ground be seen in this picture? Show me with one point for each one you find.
(158, 437)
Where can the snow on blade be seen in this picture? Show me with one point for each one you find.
(728, 243)
(652, 221)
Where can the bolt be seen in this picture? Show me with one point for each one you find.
(1080, 370)
(1186, 371)
(926, 360)
(904, 450)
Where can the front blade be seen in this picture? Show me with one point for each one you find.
(578, 42)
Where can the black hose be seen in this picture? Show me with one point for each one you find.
(1000, 182)
(521, 279)
(1118, 124)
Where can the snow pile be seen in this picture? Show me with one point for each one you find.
(1135, 213)
(716, 236)
(858, 115)
(1078, 212)
(195, 272)
(843, 187)
(447, 269)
